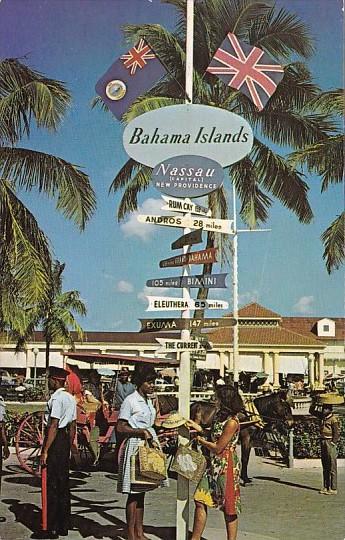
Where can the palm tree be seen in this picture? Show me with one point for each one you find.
(326, 158)
(54, 315)
(25, 261)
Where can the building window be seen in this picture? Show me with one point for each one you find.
(326, 327)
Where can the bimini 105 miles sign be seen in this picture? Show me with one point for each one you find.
(188, 130)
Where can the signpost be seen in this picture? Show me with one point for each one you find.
(179, 345)
(167, 303)
(169, 324)
(189, 239)
(207, 281)
(223, 226)
(194, 257)
(184, 205)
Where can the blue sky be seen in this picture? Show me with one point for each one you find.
(76, 41)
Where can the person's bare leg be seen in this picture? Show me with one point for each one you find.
(231, 523)
(131, 512)
(139, 518)
(200, 517)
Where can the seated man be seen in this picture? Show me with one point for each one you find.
(123, 388)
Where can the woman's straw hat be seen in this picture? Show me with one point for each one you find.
(173, 421)
(332, 398)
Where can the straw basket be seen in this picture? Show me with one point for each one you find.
(189, 463)
(332, 398)
(152, 463)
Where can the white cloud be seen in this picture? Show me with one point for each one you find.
(151, 291)
(124, 286)
(248, 297)
(132, 227)
(304, 304)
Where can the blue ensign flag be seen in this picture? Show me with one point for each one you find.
(130, 76)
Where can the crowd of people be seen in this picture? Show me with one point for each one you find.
(132, 395)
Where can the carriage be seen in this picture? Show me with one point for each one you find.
(30, 433)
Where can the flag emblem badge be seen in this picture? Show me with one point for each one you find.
(115, 90)
(247, 69)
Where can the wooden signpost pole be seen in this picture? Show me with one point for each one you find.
(182, 504)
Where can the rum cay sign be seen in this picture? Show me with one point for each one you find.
(180, 130)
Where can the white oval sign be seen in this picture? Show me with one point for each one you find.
(188, 129)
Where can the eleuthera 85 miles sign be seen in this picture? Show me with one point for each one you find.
(179, 130)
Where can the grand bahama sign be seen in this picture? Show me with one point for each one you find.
(188, 130)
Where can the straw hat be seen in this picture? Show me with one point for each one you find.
(332, 398)
(174, 420)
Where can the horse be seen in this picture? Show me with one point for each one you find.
(273, 409)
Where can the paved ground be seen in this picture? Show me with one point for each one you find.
(280, 504)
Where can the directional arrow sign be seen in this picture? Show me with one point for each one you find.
(169, 345)
(189, 239)
(166, 303)
(208, 281)
(223, 226)
(200, 354)
(195, 257)
(184, 205)
(166, 325)
(167, 221)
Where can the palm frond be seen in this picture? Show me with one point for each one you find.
(281, 180)
(255, 203)
(333, 240)
(325, 158)
(140, 182)
(281, 34)
(146, 104)
(331, 102)
(52, 176)
(27, 94)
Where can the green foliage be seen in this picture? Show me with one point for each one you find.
(27, 97)
(307, 439)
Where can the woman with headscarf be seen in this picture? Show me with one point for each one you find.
(135, 422)
(220, 485)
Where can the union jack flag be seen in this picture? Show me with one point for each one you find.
(137, 56)
(246, 68)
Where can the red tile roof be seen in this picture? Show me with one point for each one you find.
(256, 311)
(252, 335)
(308, 326)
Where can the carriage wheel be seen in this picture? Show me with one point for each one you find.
(29, 440)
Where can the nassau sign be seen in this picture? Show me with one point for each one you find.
(166, 303)
(180, 130)
(187, 176)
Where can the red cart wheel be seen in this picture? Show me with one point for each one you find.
(29, 440)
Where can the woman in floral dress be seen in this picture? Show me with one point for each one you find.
(220, 486)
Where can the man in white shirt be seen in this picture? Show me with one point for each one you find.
(60, 419)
